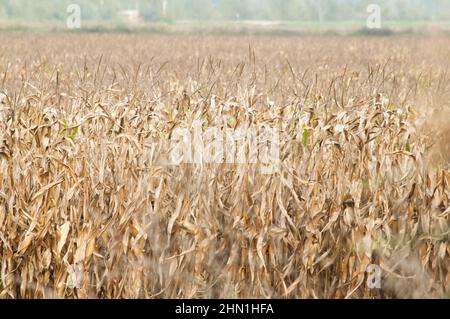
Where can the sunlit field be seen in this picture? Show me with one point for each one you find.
(92, 207)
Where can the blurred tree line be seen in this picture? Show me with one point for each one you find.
(216, 10)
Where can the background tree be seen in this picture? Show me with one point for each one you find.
(222, 10)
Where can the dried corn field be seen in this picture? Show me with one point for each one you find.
(89, 207)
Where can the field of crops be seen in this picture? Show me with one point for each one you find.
(92, 207)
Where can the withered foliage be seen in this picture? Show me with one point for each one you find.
(90, 209)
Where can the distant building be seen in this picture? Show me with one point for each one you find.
(131, 16)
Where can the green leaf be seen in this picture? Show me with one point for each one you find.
(305, 137)
(73, 133)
